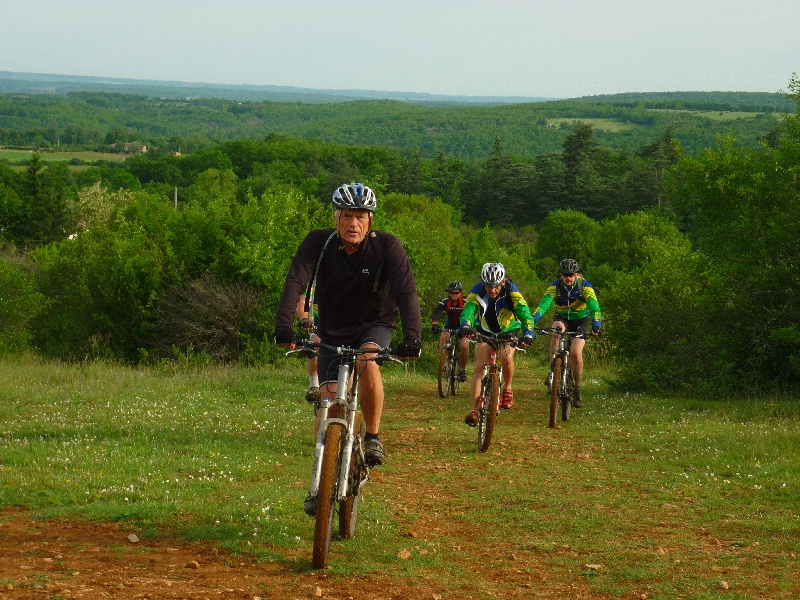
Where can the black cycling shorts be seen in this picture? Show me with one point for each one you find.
(573, 325)
(328, 363)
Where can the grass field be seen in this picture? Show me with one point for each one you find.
(636, 496)
(16, 156)
(716, 115)
(602, 124)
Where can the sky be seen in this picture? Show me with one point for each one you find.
(531, 48)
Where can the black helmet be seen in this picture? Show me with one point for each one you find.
(355, 196)
(568, 266)
(493, 274)
(454, 286)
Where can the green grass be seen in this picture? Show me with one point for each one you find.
(16, 156)
(716, 115)
(668, 495)
(601, 124)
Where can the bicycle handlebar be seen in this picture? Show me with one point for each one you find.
(309, 349)
(495, 339)
(554, 330)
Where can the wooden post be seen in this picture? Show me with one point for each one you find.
(175, 198)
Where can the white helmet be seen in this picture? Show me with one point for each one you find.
(493, 274)
(355, 196)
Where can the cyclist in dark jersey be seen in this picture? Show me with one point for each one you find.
(451, 307)
(362, 282)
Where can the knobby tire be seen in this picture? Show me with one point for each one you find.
(566, 397)
(348, 508)
(444, 376)
(454, 382)
(326, 496)
(558, 364)
(487, 415)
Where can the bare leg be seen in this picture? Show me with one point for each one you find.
(370, 391)
(442, 341)
(482, 353)
(576, 359)
(464, 357)
(507, 358)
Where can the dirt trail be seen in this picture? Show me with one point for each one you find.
(57, 559)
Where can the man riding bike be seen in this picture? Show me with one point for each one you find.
(361, 281)
(451, 307)
(576, 303)
(495, 305)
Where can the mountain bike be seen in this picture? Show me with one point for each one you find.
(561, 383)
(340, 471)
(491, 384)
(449, 363)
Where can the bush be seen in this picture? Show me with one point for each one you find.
(654, 316)
(568, 234)
(20, 304)
(208, 317)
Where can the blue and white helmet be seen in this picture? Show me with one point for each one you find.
(355, 196)
(493, 274)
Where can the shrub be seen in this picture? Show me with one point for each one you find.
(20, 304)
(207, 316)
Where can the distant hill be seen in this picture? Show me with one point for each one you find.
(741, 101)
(94, 113)
(42, 83)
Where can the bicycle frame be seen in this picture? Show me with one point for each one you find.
(346, 398)
(492, 367)
(563, 390)
(487, 415)
(495, 342)
(338, 474)
(449, 363)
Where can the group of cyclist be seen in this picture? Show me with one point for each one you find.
(350, 283)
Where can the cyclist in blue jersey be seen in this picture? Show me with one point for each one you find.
(495, 305)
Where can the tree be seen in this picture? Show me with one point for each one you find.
(566, 234)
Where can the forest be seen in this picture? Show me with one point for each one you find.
(692, 249)
(99, 120)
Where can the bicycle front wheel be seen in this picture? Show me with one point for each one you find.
(566, 396)
(454, 381)
(444, 375)
(555, 385)
(326, 495)
(487, 411)
(348, 508)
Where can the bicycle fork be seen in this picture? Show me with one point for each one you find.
(342, 387)
(499, 370)
(562, 383)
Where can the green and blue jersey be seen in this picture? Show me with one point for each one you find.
(577, 302)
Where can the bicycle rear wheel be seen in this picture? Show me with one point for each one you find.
(348, 508)
(326, 495)
(555, 385)
(487, 411)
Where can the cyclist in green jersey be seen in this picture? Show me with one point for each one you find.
(576, 304)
